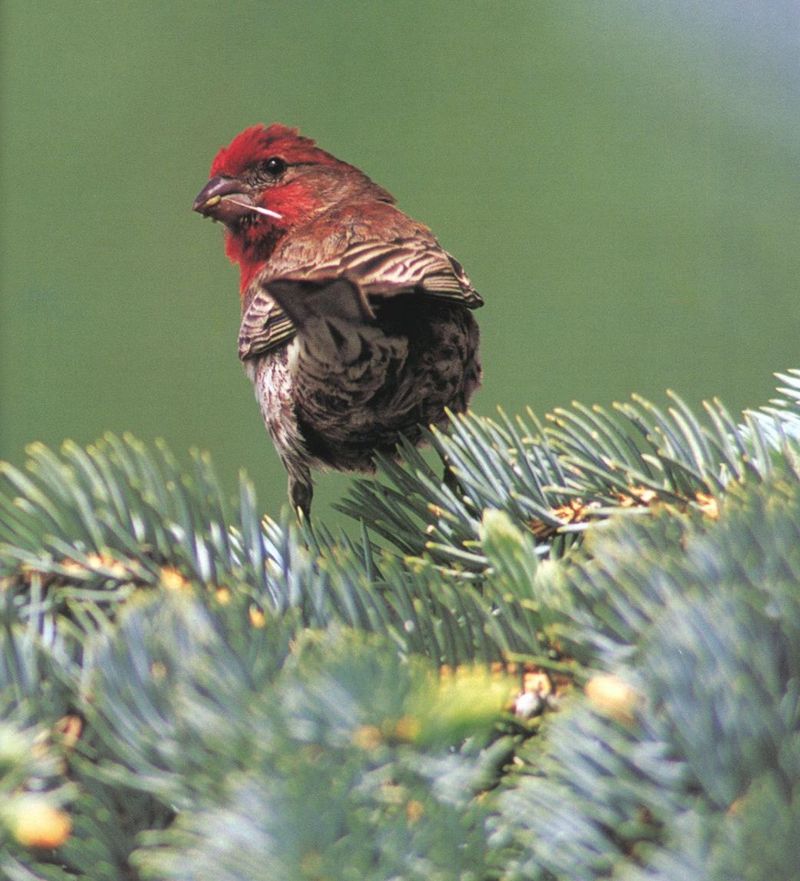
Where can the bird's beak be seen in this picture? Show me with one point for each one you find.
(227, 199)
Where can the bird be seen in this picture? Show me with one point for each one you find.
(357, 326)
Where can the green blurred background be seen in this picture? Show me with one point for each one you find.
(620, 179)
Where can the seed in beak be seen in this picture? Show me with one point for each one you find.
(214, 200)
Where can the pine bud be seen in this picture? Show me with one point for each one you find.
(613, 697)
(36, 823)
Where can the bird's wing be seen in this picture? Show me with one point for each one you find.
(264, 326)
(389, 268)
(380, 268)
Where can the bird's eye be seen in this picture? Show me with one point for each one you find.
(274, 166)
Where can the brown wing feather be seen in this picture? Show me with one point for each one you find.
(264, 326)
(412, 260)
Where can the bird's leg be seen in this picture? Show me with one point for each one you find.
(301, 491)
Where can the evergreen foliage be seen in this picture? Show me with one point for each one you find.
(579, 659)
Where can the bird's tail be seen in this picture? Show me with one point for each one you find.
(331, 317)
(338, 337)
(305, 301)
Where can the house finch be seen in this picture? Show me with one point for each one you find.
(356, 326)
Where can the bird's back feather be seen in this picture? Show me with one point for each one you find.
(352, 243)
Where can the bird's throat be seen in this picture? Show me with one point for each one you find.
(248, 272)
(251, 254)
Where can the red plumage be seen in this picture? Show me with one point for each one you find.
(260, 140)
